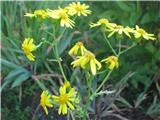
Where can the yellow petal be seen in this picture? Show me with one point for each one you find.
(31, 57)
(98, 64)
(60, 109)
(62, 90)
(93, 67)
(45, 109)
(64, 109)
(70, 105)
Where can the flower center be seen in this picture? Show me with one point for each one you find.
(63, 15)
(89, 55)
(119, 27)
(79, 44)
(141, 31)
(26, 49)
(103, 21)
(63, 99)
(79, 8)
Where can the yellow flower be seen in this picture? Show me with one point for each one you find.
(102, 22)
(139, 32)
(79, 9)
(120, 30)
(65, 99)
(28, 47)
(77, 49)
(61, 14)
(112, 62)
(88, 60)
(38, 13)
(45, 101)
(67, 84)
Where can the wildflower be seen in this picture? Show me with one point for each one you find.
(79, 9)
(65, 99)
(61, 14)
(86, 61)
(45, 101)
(38, 13)
(112, 62)
(67, 84)
(120, 30)
(77, 49)
(28, 47)
(139, 32)
(102, 22)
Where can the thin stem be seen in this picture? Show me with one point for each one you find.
(59, 62)
(56, 52)
(109, 44)
(119, 47)
(128, 49)
(103, 82)
(88, 97)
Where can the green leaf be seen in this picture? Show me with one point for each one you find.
(10, 64)
(21, 79)
(63, 44)
(10, 77)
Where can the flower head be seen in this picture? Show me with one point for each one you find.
(78, 49)
(38, 13)
(88, 60)
(67, 84)
(61, 14)
(112, 62)
(45, 101)
(65, 99)
(102, 22)
(28, 47)
(139, 32)
(78, 9)
(120, 30)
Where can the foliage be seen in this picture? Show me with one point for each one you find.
(136, 84)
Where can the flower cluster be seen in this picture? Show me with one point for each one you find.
(84, 58)
(67, 97)
(87, 60)
(63, 15)
(112, 28)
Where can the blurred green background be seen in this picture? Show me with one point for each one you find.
(137, 78)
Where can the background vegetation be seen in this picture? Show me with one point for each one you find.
(137, 79)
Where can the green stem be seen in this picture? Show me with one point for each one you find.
(119, 47)
(128, 49)
(59, 61)
(88, 97)
(109, 44)
(103, 82)
(56, 51)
